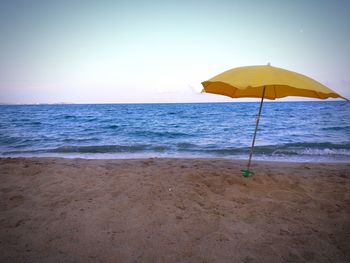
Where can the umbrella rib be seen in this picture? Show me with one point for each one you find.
(317, 95)
(234, 92)
(274, 88)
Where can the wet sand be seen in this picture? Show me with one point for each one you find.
(172, 210)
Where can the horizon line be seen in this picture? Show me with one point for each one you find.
(128, 103)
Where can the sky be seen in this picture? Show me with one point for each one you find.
(160, 51)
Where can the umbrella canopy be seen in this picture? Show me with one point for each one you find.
(250, 81)
(265, 82)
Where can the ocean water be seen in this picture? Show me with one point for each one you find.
(288, 131)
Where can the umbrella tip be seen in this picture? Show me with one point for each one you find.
(269, 64)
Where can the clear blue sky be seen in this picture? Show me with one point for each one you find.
(160, 51)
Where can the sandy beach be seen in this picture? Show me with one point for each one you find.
(172, 210)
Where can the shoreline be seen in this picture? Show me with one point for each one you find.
(239, 160)
(172, 210)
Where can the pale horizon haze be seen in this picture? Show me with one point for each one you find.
(161, 51)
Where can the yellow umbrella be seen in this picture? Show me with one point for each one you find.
(265, 82)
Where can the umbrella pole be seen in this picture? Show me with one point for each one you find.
(246, 172)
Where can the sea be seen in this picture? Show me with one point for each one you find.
(288, 131)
